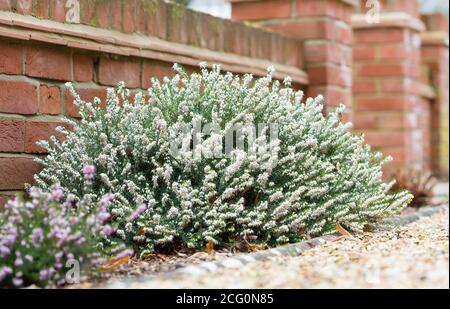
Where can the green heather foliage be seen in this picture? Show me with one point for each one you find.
(313, 174)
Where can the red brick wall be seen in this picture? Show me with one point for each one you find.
(435, 61)
(396, 109)
(33, 97)
(386, 84)
(323, 30)
(168, 22)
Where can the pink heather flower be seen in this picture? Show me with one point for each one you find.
(139, 211)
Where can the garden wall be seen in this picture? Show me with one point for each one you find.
(392, 72)
(43, 44)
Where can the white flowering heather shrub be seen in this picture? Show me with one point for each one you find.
(48, 241)
(178, 184)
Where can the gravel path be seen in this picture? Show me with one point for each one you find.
(410, 256)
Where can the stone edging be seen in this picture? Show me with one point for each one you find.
(241, 260)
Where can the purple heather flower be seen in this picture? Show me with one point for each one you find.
(123, 254)
(106, 200)
(5, 271)
(17, 281)
(4, 251)
(139, 211)
(43, 275)
(9, 240)
(37, 235)
(108, 230)
(57, 193)
(59, 255)
(89, 173)
(18, 262)
(29, 258)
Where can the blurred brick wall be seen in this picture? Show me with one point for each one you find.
(323, 29)
(398, 89)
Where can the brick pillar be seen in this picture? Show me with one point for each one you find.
(386, 58)
(435, 59)
(323, 28)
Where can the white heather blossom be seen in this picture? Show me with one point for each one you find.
(298, 174)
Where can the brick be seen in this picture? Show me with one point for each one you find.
(48, 63)
(293, 53)
(129, 16)
(363, 52)
(394, 52)
(39, 130)
(23, 6)
(83, 68)
(307, 29)
(16, 172)
(393, 121)
(86, 95)
(113, 71)
(58, 10)
(5, 5)
(11, 135)
(141, 20)
(156, 69)
(18, 97)
(364, 122)
(42, 8)
(385, 139)
(436, 22)
(261, 10)
(116, 15)
(381, 103)
(381, 70)
(50, 100)
(102, 13)
(327, 52)
(335, 9)
(380, 35)
(396, 85)
(330, 75)
(156, 16)
(10, 58)
(87, 12)
(178, 19)
(364, 86)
